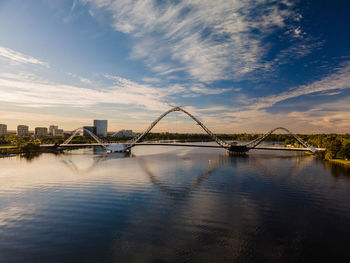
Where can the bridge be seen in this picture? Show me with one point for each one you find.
(232, 148)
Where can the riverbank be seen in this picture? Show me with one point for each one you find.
(339, 161)
(8, 151)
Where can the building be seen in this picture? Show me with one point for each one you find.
(124, 133)
(3, 130)
(22, 130)
(89, 128)
(58, 132)
(40, 131)
(52, 129)
(101, 127)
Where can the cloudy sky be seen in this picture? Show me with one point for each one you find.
(239, 66)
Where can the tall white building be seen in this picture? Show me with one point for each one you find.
(52, 129)
(40, 131)
(3, 130)
(101, 127)
(22, 130)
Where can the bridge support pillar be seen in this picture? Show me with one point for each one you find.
(238, 149)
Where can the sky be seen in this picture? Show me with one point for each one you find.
(239, 66)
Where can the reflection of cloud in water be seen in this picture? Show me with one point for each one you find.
(12, 215)
(299, 163)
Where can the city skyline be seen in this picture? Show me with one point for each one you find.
(101, 125)
(69, 62)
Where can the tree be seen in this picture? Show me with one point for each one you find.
(333, 147)
(345, 149)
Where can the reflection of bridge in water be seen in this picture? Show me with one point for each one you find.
(211, 162)
(184, 191)
(232, 148)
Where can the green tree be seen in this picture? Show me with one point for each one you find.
(345, 150)
(333, 147)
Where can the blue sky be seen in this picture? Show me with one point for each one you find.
(240, 66)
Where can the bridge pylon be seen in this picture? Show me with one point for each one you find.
(237, 149)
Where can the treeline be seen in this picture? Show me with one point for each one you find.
(337, 145)
(17, 145)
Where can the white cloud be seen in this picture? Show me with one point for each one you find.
(85, 80)
(151, 80)
(28, 90)
(41, 117)
(337, 81)
(254, 117)
(19, 58)
(208, 91)
(211, 40)
(31, 91)
(327, 117)
(143, 103)
(297, 32)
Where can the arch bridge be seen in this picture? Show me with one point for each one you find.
(137, 140)
(77, 132)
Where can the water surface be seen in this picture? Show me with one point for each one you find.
(173, 205)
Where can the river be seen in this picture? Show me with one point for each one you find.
(173, 205)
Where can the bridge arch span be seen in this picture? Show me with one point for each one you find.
(254, 143)
(82, 129)
(139, 137)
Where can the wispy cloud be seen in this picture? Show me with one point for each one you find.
(337, 81)
(85, 80)
(142, 103)
(325, 117)
(19, 58)
(210, 40)
(208, 91)
(31, 91)
(42, 117)
(332, 116)
(151, 80)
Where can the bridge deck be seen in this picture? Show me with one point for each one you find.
(73, 145)
(188, 145)
(286, 149)
(218, 146)
(178, 144)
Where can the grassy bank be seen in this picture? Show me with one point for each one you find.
(7, 150)
(8, 147)
(26, 148)
(339, 161)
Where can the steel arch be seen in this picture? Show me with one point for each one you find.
(139, 137)
(75, 133)
(254, 143)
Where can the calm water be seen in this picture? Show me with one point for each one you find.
(182, 205)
